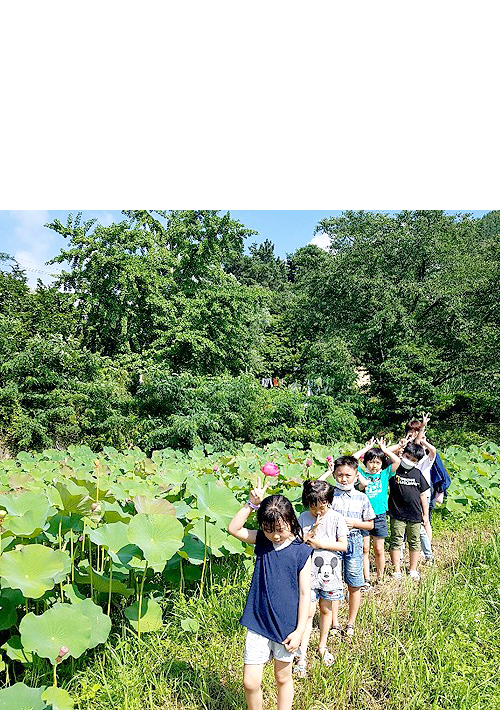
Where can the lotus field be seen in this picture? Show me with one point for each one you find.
(89, 538)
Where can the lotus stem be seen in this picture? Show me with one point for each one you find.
(204, 560)
(59, 534)
(182, 578)
(91, 576)
(110, 582)
(72, 556)
(55, 674)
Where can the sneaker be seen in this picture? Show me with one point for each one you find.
(414, 575)
(349, 631)
(397, 575)
(367, 587)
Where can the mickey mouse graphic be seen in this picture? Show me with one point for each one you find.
(324, 565)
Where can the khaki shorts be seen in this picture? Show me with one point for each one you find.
(398, 530)
(258, 650)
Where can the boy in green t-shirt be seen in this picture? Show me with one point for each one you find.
(374, 481)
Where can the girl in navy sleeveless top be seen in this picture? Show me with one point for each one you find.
(278, 601)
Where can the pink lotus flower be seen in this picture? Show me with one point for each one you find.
(270, 469)
(309, 462)
(215, 468)
(63, 651)
(329, 458)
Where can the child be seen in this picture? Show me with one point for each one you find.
(408, 508)
(278, 601)
(358, 514)
(375, 482)
(326, 532)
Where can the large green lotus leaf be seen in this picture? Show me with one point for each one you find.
(150, 615)
(193, 550)
(58, 698)
(8, 613)
(172, 473)
(21, 697)
(15, 651)
(29, 524)
(61, 625)
(153, 505)
(158, 536)
(100, 622)
(74, 498)
(101, 583)
(113, 513)
(20, 503)
(113, 537)
(216, 539)
(214, 498)
(34, 569)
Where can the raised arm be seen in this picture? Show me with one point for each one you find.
(429, 447)
(369, 445)
(421, 433)
(395, 460)
(236, 527)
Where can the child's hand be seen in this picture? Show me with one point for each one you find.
(382, 444)
(370, 444)
(292, 641)
(425, 418)
(258, 493)
(350, 523)
(313, 542)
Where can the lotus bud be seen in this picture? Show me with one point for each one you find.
(329, 458)
(309, 462)
(3, 513)
(290, 457)
(96, 507)
(270, 469)
(63, 651)
(215, 468)
(80, 539)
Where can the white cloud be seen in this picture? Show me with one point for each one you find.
(321, 240)
(35, 244)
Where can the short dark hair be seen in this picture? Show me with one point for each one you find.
(413, 425)
(414, 450)
(374, 453)
(350, 461)
(275, 509)
(316, 492)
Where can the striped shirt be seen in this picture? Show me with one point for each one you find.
(353, 504)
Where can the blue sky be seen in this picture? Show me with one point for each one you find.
(23, 235)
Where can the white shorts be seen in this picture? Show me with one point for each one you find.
(258, 650)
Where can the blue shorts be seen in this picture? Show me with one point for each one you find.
(334, 595)
(353, 560)
(380, 528)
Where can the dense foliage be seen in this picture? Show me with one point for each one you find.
(161, 327)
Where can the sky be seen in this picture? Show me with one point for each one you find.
(23, 236)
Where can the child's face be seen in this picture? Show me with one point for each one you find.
(345, 475)
(374, 465)
(319, 509)
(281, 533)
(411, 458)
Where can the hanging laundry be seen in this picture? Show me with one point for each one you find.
(266, 382)
(275, 382)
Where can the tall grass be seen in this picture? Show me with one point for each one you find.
(431, 645)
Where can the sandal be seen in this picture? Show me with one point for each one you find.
(349, 630)
(300, 669)
(327, 658)
(336, 631)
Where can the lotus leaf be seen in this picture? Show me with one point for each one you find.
(34, 569)
(193, 550)
(58, 698)
(114, 538)
(21, 697)
(214, 498)
(21, 503)
(153, 505)
(15, 651)
(215, 538)
(150, 615)
(72, 592)
(190, 625)
(100, 622)
(8, 613)
(101, 583)
(172, 473)
(61, 625)
(158, 536)
(30, 524)
(113, 513)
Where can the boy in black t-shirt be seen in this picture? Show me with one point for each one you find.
(408, 508)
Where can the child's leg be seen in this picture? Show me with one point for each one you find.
(353, 572)
(379, 552)
(413, 535)
(335, 612)
(425, 544)
(252, 682)
(354, 602)
(284, 682)
(366, 557)
(307, 633)
(397, 535)
(325, 621)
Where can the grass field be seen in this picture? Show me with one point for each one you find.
(431, 645)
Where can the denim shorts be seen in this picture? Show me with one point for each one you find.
(380, 528)
(353, 560)
(334, 595)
